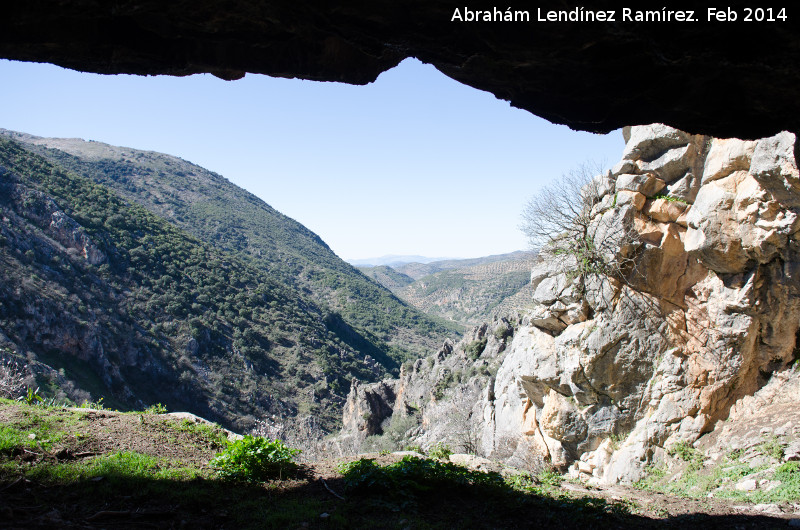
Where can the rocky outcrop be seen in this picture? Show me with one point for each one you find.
(366, 408)
(54, 222)
(708, 311)
(606, 372)
(718, 77)
(440, 397)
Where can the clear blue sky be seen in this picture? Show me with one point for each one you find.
(414, 163)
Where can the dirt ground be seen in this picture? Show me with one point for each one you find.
(316, 498)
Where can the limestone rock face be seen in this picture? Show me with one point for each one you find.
(603, 373)
(746, 216)
(775, 168)
(366, 408)
(726, 156)
(652, 141)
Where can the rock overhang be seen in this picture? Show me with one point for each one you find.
(718, 77)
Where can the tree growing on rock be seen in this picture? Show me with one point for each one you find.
(576, 227)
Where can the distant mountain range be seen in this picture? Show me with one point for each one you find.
(392, 260)
(466, 291)
(141, 278)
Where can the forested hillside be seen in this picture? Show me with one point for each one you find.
(473, 294)
(387, 276)
(221, 214)
(106, 297)
(468, 291)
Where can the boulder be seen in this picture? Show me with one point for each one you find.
(561, 420)
(647, 184)
(725, 156)
(648, 142)
(685, 188)
(664, 210)
(774, 167)
(630, 198)
(671, 165)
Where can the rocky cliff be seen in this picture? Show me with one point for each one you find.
(606, 372)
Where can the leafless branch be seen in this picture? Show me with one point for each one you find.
(12, 377)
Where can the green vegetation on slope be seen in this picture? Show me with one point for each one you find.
(689, 473)
(97, 469)
(387, 276)
(124, 305)
(474, 293)
(419, 270)
(217, 212)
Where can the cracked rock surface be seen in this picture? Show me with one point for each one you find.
(711, 314)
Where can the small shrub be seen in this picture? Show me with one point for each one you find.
(736, 454)
(301, 432)
(549, 477)
(32, 397)
(522, 482)
(687, 453)
(503, 332)
(158, 408)
(440, 451)
(773, 447)
(94, 405)
(475, 348)
(413, 476)
(616, 441)
(255, 459)
(446, 380)
(397, 433)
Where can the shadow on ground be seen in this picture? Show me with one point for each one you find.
(123, 502)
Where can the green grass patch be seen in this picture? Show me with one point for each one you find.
(115, 468)
(773, 447)
(212, 434)
(669, 198)
(687, 453)
(37, 427)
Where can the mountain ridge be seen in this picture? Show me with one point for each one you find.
(392, 260)
(106, 298)
(232, 219)
(467, 291)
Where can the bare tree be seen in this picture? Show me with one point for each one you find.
(561, 208)
(12, 377)
(579, 229)
(573, 224)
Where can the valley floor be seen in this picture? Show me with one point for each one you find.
(81, 468)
